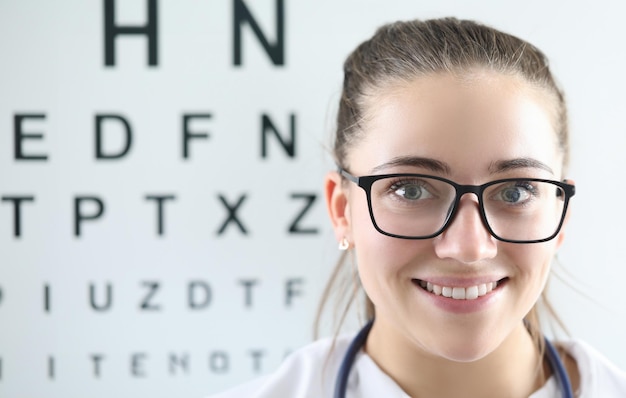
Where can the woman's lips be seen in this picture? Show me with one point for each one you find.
(458, 292)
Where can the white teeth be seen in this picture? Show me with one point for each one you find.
(471, 293)
(459, 293)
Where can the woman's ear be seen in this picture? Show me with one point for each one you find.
(337, 205)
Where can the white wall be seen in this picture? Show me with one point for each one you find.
(264, 284)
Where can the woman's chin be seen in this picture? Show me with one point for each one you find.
(462, 351)
(465, 355)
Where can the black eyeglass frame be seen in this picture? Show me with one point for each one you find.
(366, 182)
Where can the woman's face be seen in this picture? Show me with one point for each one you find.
(475, 128)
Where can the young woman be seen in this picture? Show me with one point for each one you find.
(451, 195)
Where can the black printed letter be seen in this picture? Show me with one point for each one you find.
(136, 368)
(232, 215)
(256, 355)
(99, 134)
(181, 362)
(187, 135)
(108, 300)
(96, 364)
(159, 202)
(79, 216)
(291, 290)
(46, 298)
(288, 145)
(152, 288)
(51, 368)
(294, 227)
(275, 51)
(248, 284)
(218, 362)
(17, 201)
(111, 31)
(203, 286)
(20, 135)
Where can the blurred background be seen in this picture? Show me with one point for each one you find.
(162, 229)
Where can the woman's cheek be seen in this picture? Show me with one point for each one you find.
(532, 266)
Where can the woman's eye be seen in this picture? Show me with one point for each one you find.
(516, 194)
(412, 192)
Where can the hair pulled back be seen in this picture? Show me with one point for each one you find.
(403, 51)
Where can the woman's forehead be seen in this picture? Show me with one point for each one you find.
(483, 117)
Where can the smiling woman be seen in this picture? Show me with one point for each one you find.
(452, 194)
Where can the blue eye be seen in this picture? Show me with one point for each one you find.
(519, 193)
(512, 195)
(410, 190)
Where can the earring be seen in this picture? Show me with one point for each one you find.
(344, 244)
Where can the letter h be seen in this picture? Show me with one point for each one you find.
(111, 31)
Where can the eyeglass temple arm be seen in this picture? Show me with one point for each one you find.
(568, 190)
(347, 175)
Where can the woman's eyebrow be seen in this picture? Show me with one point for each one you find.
(518, 163)
(414, 161)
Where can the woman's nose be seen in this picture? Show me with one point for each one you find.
(466, 239)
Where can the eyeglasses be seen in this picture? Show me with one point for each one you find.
(418, 206)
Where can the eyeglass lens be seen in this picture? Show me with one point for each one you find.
(520, 210)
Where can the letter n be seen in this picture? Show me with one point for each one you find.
(288, 144)
(275, 51)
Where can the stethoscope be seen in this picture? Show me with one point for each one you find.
(358, 342)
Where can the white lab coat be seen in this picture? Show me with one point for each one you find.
(311, 372)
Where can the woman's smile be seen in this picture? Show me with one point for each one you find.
(461, 291)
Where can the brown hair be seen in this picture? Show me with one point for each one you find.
(402, 51)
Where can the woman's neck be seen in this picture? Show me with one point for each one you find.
(511, 370)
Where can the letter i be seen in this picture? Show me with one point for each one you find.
(46, 298)
(51, 368)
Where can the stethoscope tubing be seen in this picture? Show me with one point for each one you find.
(357, 343)
(341, 385)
